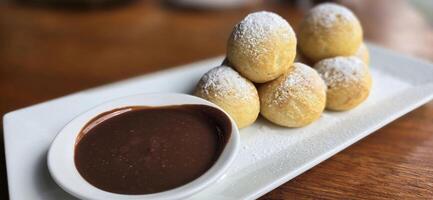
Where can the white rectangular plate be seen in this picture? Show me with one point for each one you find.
(269, 155)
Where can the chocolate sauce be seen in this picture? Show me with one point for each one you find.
(142, 150)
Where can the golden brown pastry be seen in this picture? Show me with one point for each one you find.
(348, 80)
(329, 30)
(295, 99)
(262, 46)
(233, 93)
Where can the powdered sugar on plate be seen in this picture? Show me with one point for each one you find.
(340, 71)
(273, 147)
(223, 81)
(327, 14)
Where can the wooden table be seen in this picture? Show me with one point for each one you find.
(48, 52)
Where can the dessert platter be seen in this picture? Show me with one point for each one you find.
(232, 127)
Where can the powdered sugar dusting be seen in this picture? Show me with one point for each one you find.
(258, 27)
(265, 146)
(224, 81)
(340, 71)
(327, 14)
(296, 82)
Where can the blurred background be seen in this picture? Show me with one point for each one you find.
(50, 48)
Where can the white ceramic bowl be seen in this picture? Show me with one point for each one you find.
(61, 154)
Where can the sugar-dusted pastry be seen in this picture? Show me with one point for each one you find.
(262, 46)
(363, 53)
(233, 93)
(348, 80)
(329, 30)
(295, 99)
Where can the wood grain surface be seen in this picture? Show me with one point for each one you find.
(47, 52)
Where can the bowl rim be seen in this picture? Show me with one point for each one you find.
(60, 157)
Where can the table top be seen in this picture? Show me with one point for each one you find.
(48, 52)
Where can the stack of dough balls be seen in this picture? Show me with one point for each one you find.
(331, 36)
(262, 48)
(261, 51)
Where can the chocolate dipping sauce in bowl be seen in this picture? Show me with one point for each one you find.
(148, 146)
